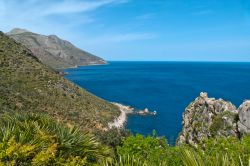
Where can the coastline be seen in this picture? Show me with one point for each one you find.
(77, 66)
(125, 110)
(121, 120)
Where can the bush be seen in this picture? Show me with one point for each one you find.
(230, 146)
(113, 137)
(152, 149)
(40, 140)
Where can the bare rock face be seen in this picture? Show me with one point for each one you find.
(244, 118)
(208, 117)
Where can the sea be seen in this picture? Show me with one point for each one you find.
(165, 87)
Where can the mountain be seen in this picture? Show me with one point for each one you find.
(209, 117)
(28, 85)
(53, 51)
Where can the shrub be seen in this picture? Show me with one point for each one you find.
(113, 137)
(230, 146)
(39, 140)
(152, 149)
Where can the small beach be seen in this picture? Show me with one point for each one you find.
(126, 110)
(121, 120)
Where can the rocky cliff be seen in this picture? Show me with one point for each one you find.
(53, 51)
(209, 117)
(244, 118)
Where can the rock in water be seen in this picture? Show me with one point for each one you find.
(244, 118)
(207, 117)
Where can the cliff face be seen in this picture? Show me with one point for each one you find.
(209, 117)
(244, 118)
(53, 51)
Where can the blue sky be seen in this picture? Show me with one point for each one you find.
(163, 30)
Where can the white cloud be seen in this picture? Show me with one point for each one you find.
(48, 16)
(130, 37)
(67, 19)
(116, 38)
(77, 6)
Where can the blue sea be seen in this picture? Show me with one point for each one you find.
(167, 87)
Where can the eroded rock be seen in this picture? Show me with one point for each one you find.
(244, 118)
(207, 117)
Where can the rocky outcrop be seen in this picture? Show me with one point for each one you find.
(53, 51)
(244, 118)
(209, 117)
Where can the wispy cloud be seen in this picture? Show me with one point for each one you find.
(130, 37)
(126, 37)
(48, 15)
(77, 6)
(60, 17)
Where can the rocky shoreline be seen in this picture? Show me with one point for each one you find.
(125, 111)
(202, 119)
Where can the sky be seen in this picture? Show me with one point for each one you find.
(140, 30)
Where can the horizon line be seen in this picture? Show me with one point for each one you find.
(177, 61)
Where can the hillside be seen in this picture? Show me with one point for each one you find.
(53, 51)
(28, 85)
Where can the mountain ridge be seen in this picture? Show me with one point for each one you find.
(54, 51)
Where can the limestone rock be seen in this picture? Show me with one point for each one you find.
(244, 118)
(207, 117)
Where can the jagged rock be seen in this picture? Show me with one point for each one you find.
(244, 118)
(207, 117)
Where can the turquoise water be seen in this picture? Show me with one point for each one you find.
(167, 87)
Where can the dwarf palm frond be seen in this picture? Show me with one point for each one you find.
(192, 158)
(126, 160)
(43, 132)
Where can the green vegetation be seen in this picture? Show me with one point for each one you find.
(152, 149)
(126, 161)
(47, 120)
(113, 137)
(232, 147)
(216, 125)
(192, 158)
(32, 139)
(39, 140)
(217, 151)
(29, 86)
